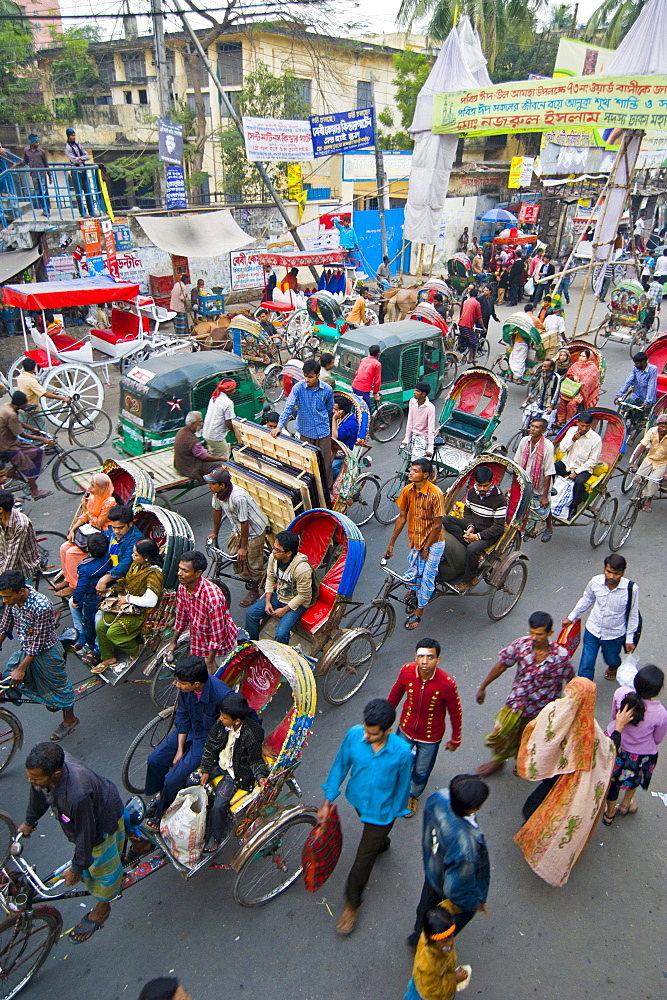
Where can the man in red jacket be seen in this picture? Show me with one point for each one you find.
(430, 694)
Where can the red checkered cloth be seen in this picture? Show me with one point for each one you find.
(321, 851)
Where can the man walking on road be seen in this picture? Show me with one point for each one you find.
(516, 277)
(314, 400)
(420, 427)
(90, 812)
(614, 620)
(430, 694)
(543, 668)
(248, 529)
(422, 505)
(201, 607)
(379, 764)
(456, 859)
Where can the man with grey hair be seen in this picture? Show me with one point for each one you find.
(191, 459)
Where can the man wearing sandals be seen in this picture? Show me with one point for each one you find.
(90, 812)
(39, 666)
(248, 529)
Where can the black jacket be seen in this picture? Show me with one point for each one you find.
(516, 271)
(87, 806)
(249, 765)
(488, 306)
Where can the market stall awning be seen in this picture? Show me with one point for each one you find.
(205, 234)
(324, 257)
(60, 294)
(12, 262)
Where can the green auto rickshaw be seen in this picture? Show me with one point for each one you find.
(155, 396)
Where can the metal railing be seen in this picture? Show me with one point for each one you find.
(62, 192)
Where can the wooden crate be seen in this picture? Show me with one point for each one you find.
(275, 500)
(285, 449)
(273, 474)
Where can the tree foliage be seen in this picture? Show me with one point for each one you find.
(614, 18)
(264, 95)
(74, 72)
(139, 169)
(16, 59)
(412, 69)
(518, 60)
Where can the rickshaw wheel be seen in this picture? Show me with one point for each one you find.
(621, 530)
(163, 691)
(378, 618)
(483, 352)
(386, 422)
(25, 946)
(601, 337)
(71, 380)
(508, 591)
(7, 835)
(133, 771)
(11, 738)
(362, 495)
(604, 519)
(272, 386)
(71, 463)
(450, 371)
(638, 341)
(299, 324)
(48, 548)
(275, 863)
(346, 665)
(384, 504)
(626, 481)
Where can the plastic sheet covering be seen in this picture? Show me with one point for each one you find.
(61, 294)
(472, 52)
(433, 155)
(14, 261)
(205, 234)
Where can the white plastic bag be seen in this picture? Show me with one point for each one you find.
(560, 504)
(184, 824)
(625, 675)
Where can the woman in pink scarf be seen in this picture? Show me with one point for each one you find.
(94, 510)
(587, 372)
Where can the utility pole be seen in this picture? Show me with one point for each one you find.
(379, 173)
(160, 59)
(268, 183)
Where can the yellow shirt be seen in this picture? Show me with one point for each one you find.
(433, 970)
(29, 384)
(657, 449)
(357, 313)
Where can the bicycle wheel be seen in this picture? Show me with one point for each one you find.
(624, 525)
(7, 835)
(274, 864)
(11, 736)
(513, 443)
(362, 500)
(25, 942)
(601, 337)
(482, 352)
(272, 386)
(76, 381)
(48, 547)
(68, 466)
(133, 772)
(507, 593)
(626, 481)
(347, 665)
(90, 429)
(638, 341)
(450, 370)
(384, 504)
(604, 519)
(379, 618)
(163, 690)
(386, 422)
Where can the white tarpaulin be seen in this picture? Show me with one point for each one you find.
(206, 234)
(643, 52)
(472, 52)
(433, 155)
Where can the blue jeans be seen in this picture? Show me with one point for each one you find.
(424, 755)
(363, 395)
(336, 466)
(255, 617)
(162, 776)
(83, 619)
(611, 653)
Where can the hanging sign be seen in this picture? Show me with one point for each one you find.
(528, 213)
(110, 248)
(537, 105)
(176, 194)
(170, 141)
(521, 171)
(342, 132)
(122, 234)
(277, 140)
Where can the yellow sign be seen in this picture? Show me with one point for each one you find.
(537, 105)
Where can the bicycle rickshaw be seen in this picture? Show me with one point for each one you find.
(540, 346)
(599, 506)
(469, 417)
(459, 271)
(354, 491)
(625, 321)
(632, 481)
(503, 570)
(269, 828)
(656, 352)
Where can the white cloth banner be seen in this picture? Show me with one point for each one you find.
(276, 140)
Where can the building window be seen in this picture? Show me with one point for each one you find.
(104, 100)
(134, 64)
(233, 96)
(364, 94)
(171, 64)
(303, 87)
(207, 104)
(230, 64)
(202, 73)
(127, 94)
(107, 69)
(143, 97)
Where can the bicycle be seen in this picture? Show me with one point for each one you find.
(626, 522)
(67, 463)
(85, 427)
(386, 421)
(635, 418)
(482, 347)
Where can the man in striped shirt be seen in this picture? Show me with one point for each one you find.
(483, 523)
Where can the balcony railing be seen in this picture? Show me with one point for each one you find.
(62, 192)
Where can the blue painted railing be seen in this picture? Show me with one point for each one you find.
(61, 193)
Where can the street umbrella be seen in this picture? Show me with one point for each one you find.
(499, 215)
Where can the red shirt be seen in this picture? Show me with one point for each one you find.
(205, 613)
(471, 311)
(426, 705)
(369, 375)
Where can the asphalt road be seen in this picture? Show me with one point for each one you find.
(599, 937)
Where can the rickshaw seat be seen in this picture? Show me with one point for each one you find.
(41, 358)
(63, 342)
(612, 439)
(317, 614)
(467, 425)
(284, 307)
(476, 390)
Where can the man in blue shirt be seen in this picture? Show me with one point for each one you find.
(344, 428)
(315, 400)
(168, 766)
(348, 239)
(123, 535)
(379, 764)
(640, 387)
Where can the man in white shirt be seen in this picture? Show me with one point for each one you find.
(420, 428)
(661, 267)
(581, 449)
(218, 420)
(554, 323)
(248, 529)
(614, 620)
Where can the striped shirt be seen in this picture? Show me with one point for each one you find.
(422, 502)
(241, 507)
(33, 623)
(487, 512)
(313, 419)
(18, 545)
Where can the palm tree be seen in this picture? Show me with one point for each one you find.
(491, 18)
(616, 17)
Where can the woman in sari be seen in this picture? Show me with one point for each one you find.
(136, 592)
(586, 372)
(565, 749)
(94, 511)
